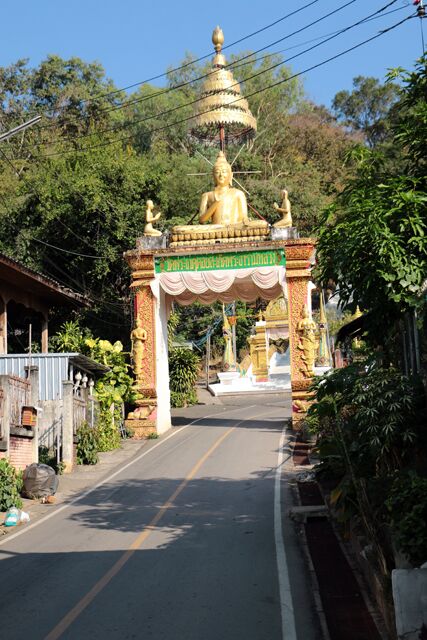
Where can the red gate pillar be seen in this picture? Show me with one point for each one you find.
(143, 420)
(299, 260)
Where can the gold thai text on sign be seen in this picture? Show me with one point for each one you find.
(221, 261)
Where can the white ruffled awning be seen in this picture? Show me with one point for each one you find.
(224, 286)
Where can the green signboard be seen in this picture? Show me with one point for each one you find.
(221, 261)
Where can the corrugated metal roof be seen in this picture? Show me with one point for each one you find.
(53, 368)
(16, 273)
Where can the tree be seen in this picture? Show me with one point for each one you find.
(79, 182)
(69, 94)
(373, 240)
(366, 108)
(74, 216)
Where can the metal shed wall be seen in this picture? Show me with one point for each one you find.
(53, 370)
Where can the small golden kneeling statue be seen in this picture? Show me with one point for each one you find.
(284, 209)
(150, 218)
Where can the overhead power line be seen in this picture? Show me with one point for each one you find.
(77, 286)
(275, 84)
(251, 77)
(19, 128)
(234, 65)
(239, 62)
(74, 253)
(305, 6)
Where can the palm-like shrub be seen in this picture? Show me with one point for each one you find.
(183, 372)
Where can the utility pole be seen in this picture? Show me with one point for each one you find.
(421, 13)
(3, 137)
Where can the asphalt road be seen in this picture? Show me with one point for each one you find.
(190, 541)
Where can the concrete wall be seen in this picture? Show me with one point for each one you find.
(162, 366)
(21, 442)
(410, 601)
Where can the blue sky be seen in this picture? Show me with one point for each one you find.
(136, 39)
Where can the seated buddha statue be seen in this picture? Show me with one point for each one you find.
(225, 205)
(225, 208)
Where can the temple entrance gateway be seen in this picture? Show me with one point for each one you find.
(227, 255)
(164, 275)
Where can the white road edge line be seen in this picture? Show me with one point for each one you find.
(286, 606)
(12, 536)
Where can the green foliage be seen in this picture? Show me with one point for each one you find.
(246, 319)
(373, 240)
(87, 444)
(194, 321)
(407, 505)
(92, 203)
(180, 399)
(10, 486)
(113, 388)
(410, 126)
(366, 108)
(376, 412)
(335, 322)
(183, 372)
(70, 337)
(172, 327)
(369, 426)
(108, 437)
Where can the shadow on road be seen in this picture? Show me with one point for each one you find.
(261, 424)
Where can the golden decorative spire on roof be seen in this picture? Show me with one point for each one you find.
(222, 114)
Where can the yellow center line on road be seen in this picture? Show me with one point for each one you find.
(137, 543)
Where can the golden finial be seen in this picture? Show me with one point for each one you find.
(218, 39)
(222, 112)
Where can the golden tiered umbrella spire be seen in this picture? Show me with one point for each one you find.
(222, 114)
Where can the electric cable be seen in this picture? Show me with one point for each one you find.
(82, 255)
(196, 100)
(22, 177)
(263, 89)
(204, 57)
(324, 35)
(75, 286)
(234, 65)
(74, 253)
(73, 232)
(176, 108)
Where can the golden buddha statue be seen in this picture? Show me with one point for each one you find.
(225, 205)
(221, 114)
(225, 208)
